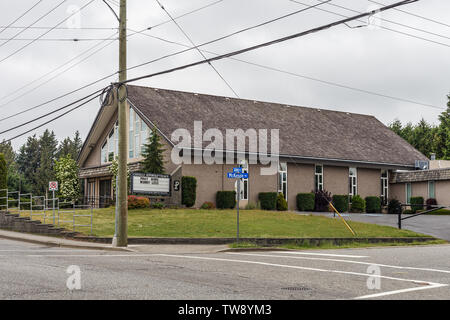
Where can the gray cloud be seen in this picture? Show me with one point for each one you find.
(371, 59)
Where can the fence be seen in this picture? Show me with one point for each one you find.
(41, 206)
(430, 209)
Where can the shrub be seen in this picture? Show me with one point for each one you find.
(322, 200)
(305, 201)
(207, 205)
(340, 202)
(416, 203)
(158, 205)
(226, 199)
(188, 191)
(251, 206)
(373, 204)
(135, 202)
(281, 203)
(430, 203)
(394, 206)
(268, 200)
(358, 204)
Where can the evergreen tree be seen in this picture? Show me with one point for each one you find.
(421, 137)
(45, 173)
(70, 147)
(153, 154)
(442, 135)
(8, 152)
(28, 161)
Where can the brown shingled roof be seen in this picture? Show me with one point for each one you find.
(304, 132)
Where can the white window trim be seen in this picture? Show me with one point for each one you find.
(387, 184)
(316, 186)
(350, 193)
(283, 182)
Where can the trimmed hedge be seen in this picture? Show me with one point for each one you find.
(340, 202)
(305, 201)
(188, 191)
(226, 199)
(373, 204)
(282, 204)
(268, 200)
(358, 204)
(416, 204)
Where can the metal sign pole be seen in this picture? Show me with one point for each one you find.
(53, 207)
(239, 197)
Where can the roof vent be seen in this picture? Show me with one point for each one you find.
(226, 98)
(433, 156)
(319, 110)
(156, 89)
(254, 101)
(195, 94)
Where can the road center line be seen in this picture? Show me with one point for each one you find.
(340, 260)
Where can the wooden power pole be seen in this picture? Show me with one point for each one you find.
(122, 189)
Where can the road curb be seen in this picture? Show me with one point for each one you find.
(58, 244)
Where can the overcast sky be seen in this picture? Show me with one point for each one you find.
(368, 58)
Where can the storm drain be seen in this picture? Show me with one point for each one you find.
(296, 288)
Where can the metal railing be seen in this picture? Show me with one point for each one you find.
(432, 209)
(41, 206)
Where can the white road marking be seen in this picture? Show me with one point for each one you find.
(388, 293)
(90, 255)
(340, 260)
(304, 268)
(53, 250)
(323, 254)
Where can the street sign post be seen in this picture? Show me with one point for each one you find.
(237, 174)
(53, 186)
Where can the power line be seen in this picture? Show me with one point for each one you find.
(33, 23)
(47, 114)
(393, 22)
(31, 42)
(220, 38)
(414, 14)
(89, 49)
(58, 28)
(20, 17)
(57, 98)
(296, 74)
(270, 43)
(51, 120)
(382, 27)
(57, 75)
(193, 44)
(57, 39)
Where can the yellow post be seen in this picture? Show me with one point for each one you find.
(349, 228)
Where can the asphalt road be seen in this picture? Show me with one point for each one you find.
(30, 271)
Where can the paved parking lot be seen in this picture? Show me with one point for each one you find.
(437, 226)
(34, 272)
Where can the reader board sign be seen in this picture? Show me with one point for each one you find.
(151, 184)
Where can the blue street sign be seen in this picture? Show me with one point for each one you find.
(237, 170)
(232, 175)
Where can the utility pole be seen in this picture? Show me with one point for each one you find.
(122, 190)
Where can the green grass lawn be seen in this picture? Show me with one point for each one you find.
(190, 223)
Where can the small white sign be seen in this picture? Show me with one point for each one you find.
(53, 186)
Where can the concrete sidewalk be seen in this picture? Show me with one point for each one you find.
(56, 242)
